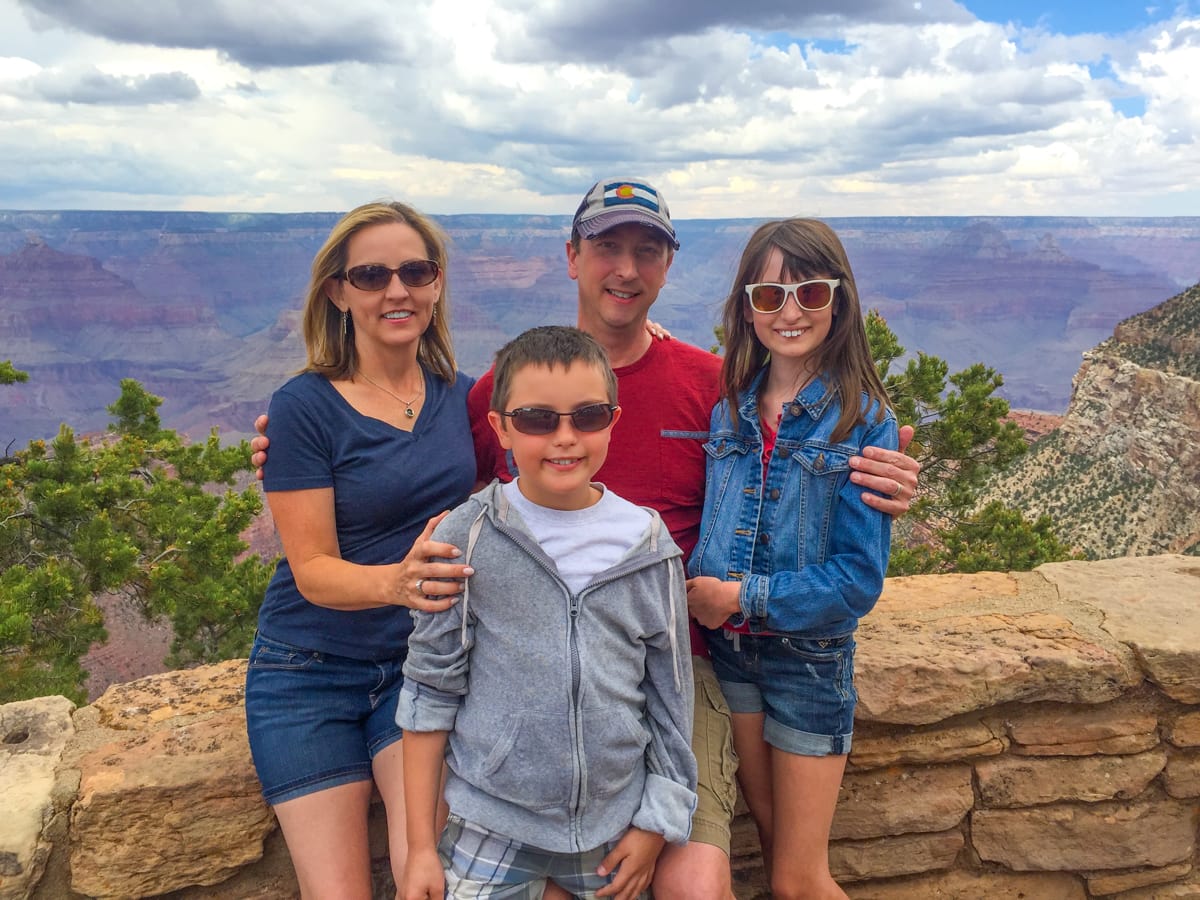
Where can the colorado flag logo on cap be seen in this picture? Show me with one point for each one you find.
(629, 193)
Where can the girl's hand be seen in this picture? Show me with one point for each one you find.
(712, 601)
(429, 586)
(633, 858)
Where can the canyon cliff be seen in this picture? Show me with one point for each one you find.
(202, 308)
(1121, 474)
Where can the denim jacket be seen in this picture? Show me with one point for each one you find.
(810, 555)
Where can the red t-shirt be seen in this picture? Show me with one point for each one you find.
(656, 455)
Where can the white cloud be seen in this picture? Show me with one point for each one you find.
(879, 109)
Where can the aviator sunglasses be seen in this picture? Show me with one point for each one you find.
(812, 296)
(374, 277)
(534, 420)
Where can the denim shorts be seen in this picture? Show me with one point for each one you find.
(316, 720)
(804, 687)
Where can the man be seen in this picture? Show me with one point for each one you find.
(621, 249)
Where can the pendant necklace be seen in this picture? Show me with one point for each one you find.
(408, 410)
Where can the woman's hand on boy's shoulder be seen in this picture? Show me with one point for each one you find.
(633, 859)
(889, 475)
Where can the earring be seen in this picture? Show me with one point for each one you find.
(435, 312)
(345, 323)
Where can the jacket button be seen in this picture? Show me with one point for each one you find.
(764, 538)
(819, 463)
(796, 409)
(774, 493)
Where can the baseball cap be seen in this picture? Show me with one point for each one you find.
(622, 201)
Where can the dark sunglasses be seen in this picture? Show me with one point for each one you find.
(374, 277)
(534, 420)
(812, 296)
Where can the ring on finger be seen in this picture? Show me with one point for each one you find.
(899, 490)
(420, 585)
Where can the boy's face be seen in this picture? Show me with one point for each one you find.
(556, 469)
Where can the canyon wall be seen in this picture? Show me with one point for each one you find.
(1027, 735)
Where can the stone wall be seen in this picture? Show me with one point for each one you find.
(1029, 735)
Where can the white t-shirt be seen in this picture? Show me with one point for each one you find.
(582, 542)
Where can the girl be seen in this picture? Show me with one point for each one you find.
(790, 557)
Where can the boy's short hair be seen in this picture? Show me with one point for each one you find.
(549, 346)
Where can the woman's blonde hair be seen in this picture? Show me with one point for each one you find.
(330, 343)
(810, 249)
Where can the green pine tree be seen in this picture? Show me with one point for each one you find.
(138, 511)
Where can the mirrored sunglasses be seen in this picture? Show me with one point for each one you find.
(534, 420)
(813, 296)
(374, 277)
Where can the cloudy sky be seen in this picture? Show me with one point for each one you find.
(735, 108)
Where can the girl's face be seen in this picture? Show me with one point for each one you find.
(792, 333)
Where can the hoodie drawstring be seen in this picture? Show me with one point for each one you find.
(472, 537)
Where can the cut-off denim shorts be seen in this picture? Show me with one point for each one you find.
(316, 720)
(804, 687)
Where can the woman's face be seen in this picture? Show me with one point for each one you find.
(793, 332)
(397, 314)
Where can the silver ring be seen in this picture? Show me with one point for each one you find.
(420, 581)
(899, 489)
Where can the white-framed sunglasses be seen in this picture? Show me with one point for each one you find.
(811, 296)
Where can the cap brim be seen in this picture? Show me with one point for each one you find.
(597, 225)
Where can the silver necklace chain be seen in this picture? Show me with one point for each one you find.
(408, 410)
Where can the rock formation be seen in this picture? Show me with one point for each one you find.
(1024, 735)
(1121, 475)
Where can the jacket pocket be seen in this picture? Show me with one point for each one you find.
(614, 748)
(530, 763)
(822, 459)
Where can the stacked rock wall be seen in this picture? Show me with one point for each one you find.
(1029, 735)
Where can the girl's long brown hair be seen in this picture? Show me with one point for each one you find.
(330, 351)
(810, 250)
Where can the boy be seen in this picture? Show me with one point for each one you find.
(561, 681)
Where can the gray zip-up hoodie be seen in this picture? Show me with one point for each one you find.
(570, 715)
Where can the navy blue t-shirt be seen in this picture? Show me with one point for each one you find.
(386, 483)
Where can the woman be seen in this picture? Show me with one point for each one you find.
(371, 439)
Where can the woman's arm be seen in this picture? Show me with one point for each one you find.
(306, 525)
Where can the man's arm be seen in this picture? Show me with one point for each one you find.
(890, 472)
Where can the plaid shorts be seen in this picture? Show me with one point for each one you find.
(482, 864)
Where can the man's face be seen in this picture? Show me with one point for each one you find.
(619, 274)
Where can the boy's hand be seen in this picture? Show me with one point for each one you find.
(633, 858)
(423, 877)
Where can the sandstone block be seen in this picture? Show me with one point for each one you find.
(160, 811)
(1121, 727)
(1184, 731)
(891, 856)
(1182, 776)
(1187, 888)
(1009, 781)
(940, 646)
(959, 884)
(1146, 603)
(1107, 883)
(161, 699)
(901, 801)
(33, 734)
(1086, 837)
(875, 747)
